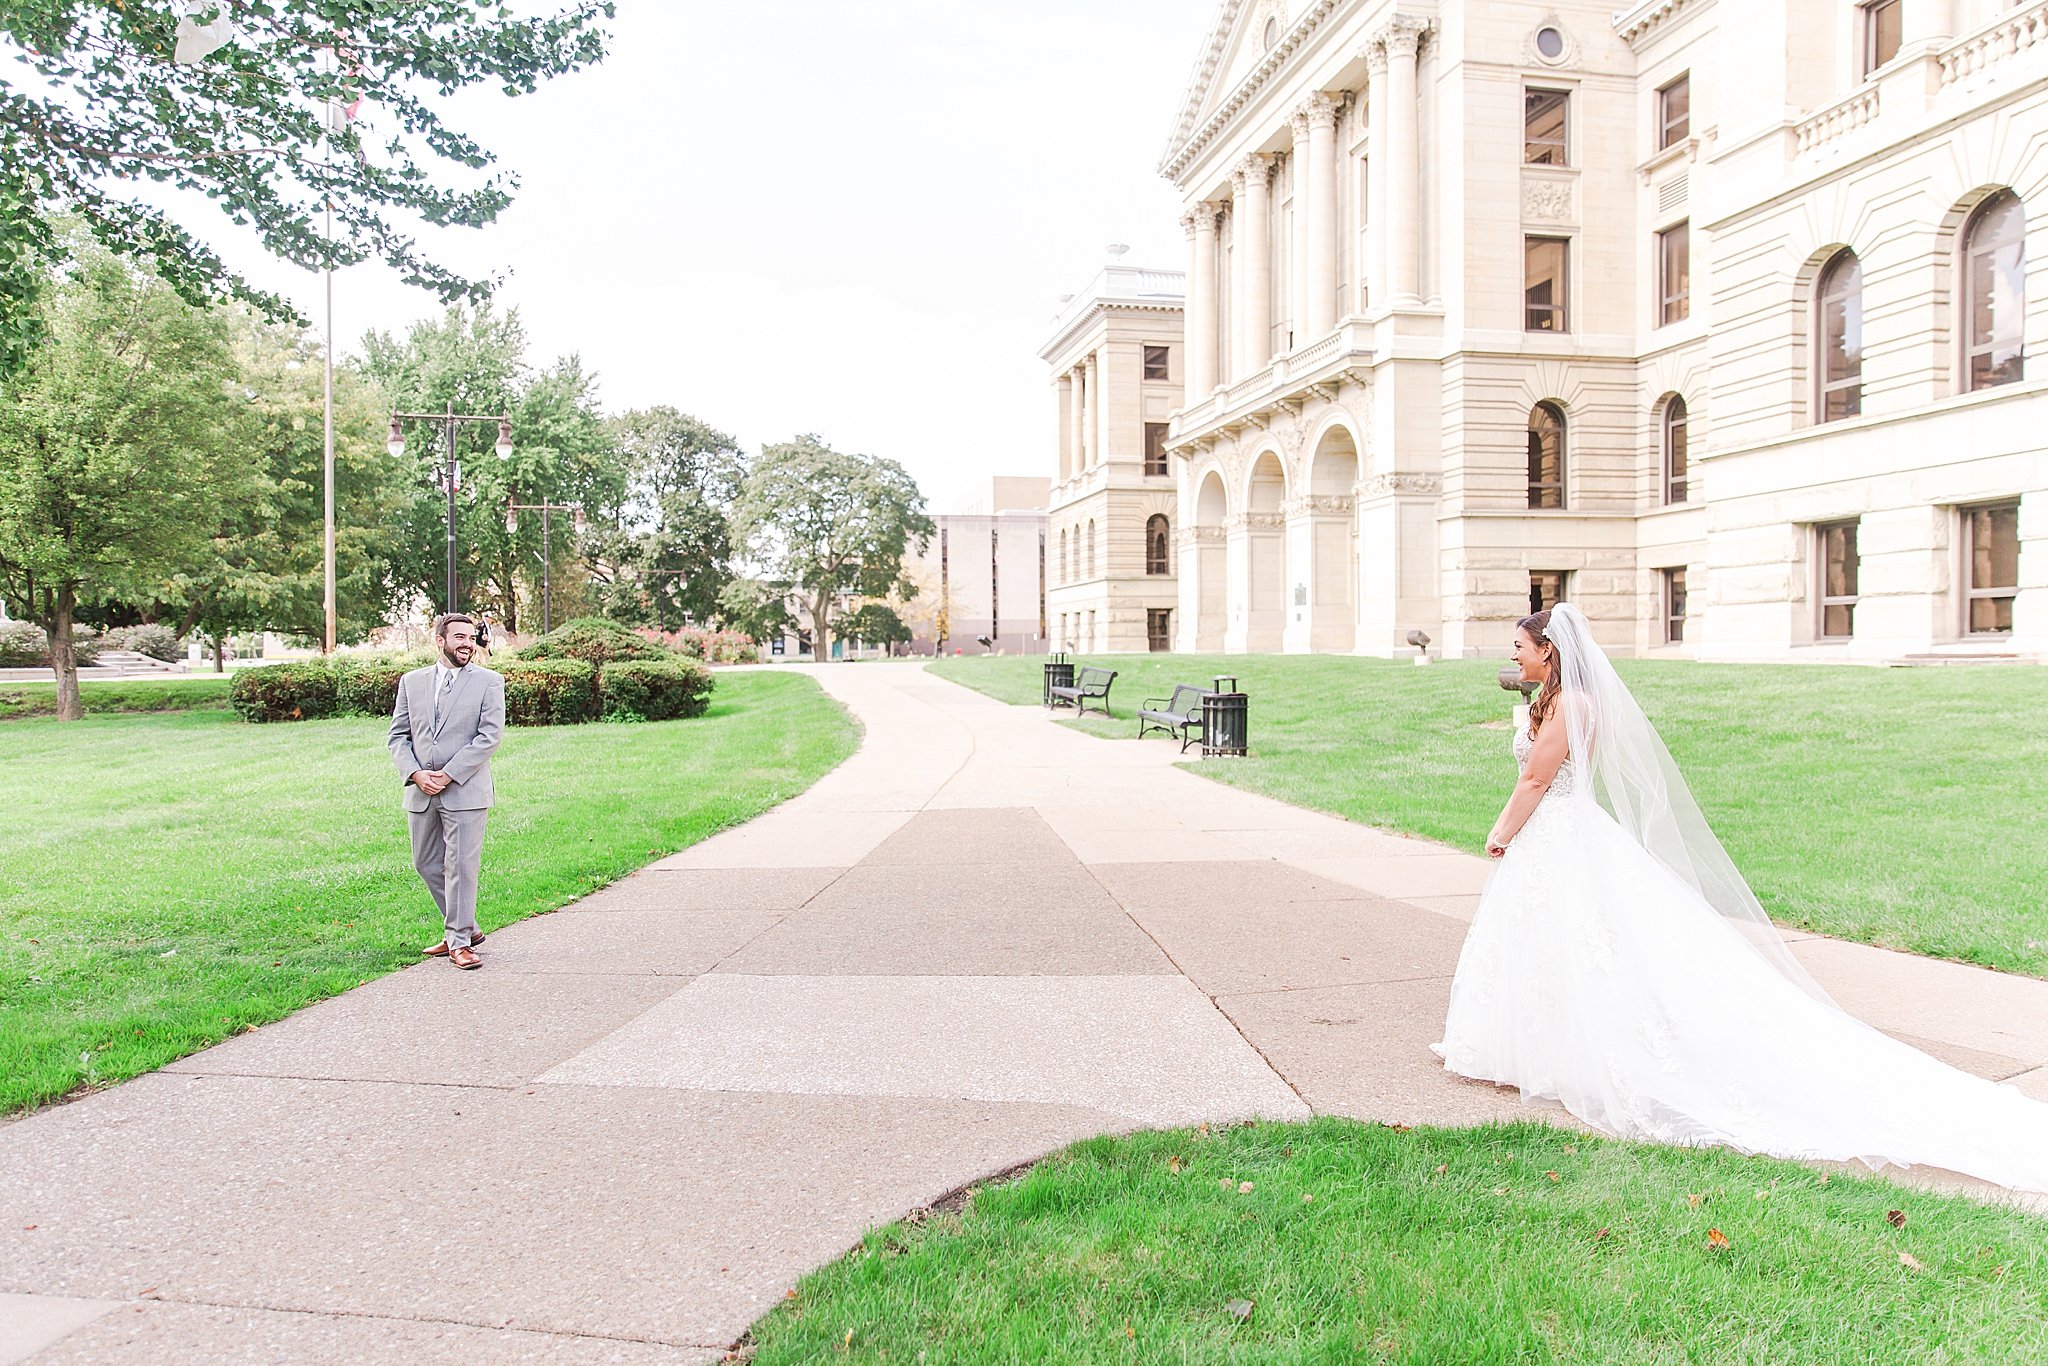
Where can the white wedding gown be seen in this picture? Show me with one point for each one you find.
(1594, 978)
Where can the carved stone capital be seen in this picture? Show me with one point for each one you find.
(1375, 57)
(1321, 505)
(1201, 535)
(1258, 521)
(1201, 217)
(1323, 109)
(1257, 164)
(1385, 485)
(1298, 124)
(1403, 34)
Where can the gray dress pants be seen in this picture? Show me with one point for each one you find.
(447, 849)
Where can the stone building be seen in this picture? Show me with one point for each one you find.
(1117, 366)
(1727, 319)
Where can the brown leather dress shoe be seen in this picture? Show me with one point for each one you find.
(464, 958)
(439, 949)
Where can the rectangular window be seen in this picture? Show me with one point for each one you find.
(1546, 589)
(1991, 538)
(1545, 287)
(1155, 448)
(1674, 112)
(1543, 128)
(1881, 33)
(1837, 580)
(1674, 606)
(1159, 629)
(1155, 362)
(1674, 274)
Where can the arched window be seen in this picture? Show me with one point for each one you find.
(1155, 544)
(1546, 456)
(1841, 339)
(1063, 554)
(1091, 547)
(1994, 292)
(1675, 487)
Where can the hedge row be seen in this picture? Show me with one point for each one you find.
(538, 692)
(205, 693)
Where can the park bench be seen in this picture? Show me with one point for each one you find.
(1092, 683)
(1179, 716)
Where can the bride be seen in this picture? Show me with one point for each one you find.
(1619, 965)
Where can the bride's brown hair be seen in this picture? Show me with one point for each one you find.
(1537, 624)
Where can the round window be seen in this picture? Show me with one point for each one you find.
(1550, 43)
(1272, 33)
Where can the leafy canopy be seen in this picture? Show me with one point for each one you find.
(91, 97)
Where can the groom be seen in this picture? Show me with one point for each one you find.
(449, 717)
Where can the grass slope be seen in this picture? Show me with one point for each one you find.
(169, 880)
(1351, 1243)
(1891, 806)
(202, 693)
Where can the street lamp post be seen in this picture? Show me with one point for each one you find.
(547, 545)
(451, 473)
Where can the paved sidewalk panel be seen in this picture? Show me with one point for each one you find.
(1150, 1049)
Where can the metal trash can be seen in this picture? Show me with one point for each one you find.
(1225, 723)
(1059, 673)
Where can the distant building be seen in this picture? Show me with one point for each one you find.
(984, 574)
(1117, 368)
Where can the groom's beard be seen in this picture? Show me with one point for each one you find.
(451, 658)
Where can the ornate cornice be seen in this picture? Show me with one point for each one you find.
(1201, 535)
(1257, 521)
(1188, 141)
(1634, 23)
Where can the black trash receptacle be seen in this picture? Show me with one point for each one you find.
(1225, 723)
(1059, 673)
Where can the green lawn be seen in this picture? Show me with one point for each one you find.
(146, 692)
(1894, 806)
(1357, 1243)
(167, 880)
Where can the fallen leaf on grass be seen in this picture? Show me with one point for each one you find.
(1397, 1128)
(1173, 1164)
(1910, 1262)
(1571, 1150)
(1601, 1234)
(1306, 1198)
(1693, 1201)
(1241, 1310)
(1244, 1188)
(1895, 1217)
(1129, 1331)
(1500, 1190)
(1717, 1241)
(1551, 1175)
(847, 1341)
(1442, 1167)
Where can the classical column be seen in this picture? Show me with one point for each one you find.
(1404, 171)
(1238, 257)
(1298, 249)
(1091, 448)
(1063, 438)
(1378, 291)
(1200, 223)
(1077, 445)
(1257, 236)
(1321, 264)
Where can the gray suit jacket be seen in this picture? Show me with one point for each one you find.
(472, 723)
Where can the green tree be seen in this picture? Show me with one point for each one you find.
(306, 104)
(827, 523)
(123, 448)
(473, 360)
(755, 608)
(665, 556)
(877, 624)
(263, 570)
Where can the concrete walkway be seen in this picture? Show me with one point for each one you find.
(981, 938)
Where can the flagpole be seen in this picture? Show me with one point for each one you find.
(327, 391)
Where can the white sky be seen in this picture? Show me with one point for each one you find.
(817, 215)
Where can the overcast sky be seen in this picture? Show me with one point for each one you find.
(853, 219)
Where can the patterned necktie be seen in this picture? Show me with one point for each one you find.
(441, 695)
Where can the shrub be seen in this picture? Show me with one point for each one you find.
(284, 692)
(153, 638)
(550, 692)
(655, 689)
(368, 686)
(23, 645)
(85, 645)
(713, 647)
(594, 641)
